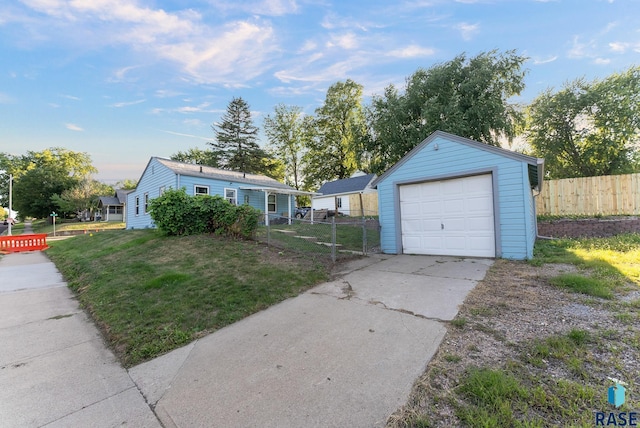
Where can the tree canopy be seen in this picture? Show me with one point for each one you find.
(236, 147)
(588, 128)
(465, 96)
(340, 128)
(38, 176)
(289, 132)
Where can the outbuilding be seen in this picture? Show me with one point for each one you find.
(458, 197)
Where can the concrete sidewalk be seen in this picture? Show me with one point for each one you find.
(345, 353)
(54, 368)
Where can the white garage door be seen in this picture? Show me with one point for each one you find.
(450, 217)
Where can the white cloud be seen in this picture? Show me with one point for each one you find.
(344, 41)
(127, 103)
(73, 127)
(538, 61)
(601, 61)
(411, 51)
(467, 31)
(71, 97)
(261, 7)
(618, 47)
(230, 53)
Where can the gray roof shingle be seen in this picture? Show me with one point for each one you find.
(346, 185)
(194, 170)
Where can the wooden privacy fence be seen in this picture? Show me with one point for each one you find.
(368, 201)
(604, 195)
(18, 243)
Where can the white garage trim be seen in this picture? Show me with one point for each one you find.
(453, 216)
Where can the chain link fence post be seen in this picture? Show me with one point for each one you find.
(333, 239)
(364, 236)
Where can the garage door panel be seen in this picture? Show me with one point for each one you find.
(464, 206)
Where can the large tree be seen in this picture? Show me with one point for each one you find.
(468, 97)
(289, 132)
(82, 197)
(236, 146)
(41, 175)
(340, 128)
(588, 128)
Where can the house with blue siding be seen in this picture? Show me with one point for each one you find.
(273, 198)
(458, 197)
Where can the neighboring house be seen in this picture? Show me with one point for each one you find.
(112, 208)
(347, 195)
(261, 192)
(455, 196)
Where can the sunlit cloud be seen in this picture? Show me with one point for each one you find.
(538, 61)
(467, 31)
(411, 51)
(127, 103)
(601, 61)
(233, 52)
(73, 127)
(260, 7)
(344, 41)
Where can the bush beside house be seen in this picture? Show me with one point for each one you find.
(176, 213)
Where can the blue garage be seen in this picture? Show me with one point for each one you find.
(458, 197)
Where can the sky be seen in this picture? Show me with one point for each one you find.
(125, 80)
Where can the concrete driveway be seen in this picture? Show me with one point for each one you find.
(345, 353)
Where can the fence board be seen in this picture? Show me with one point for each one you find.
(370, 202)
(604, 195)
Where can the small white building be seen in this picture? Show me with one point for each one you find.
(336, 195)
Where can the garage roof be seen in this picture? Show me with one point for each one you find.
(536, 165)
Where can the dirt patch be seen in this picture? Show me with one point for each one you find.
(513, 308)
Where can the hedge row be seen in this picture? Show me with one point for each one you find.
(177, 213)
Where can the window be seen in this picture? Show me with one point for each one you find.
(146, 203)
(201, 190)
(114, 209)
(162, 189)
(246, 199)
(230, 195)
(137, 205)
(338, 203)
(271, 203)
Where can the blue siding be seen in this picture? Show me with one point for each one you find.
(157, 175)
(451, 159)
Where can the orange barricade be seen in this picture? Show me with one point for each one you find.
(15, 244)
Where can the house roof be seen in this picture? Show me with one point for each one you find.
(346, 185)
(109, 200)
(121, 194)
(194, 170)
(536, 165)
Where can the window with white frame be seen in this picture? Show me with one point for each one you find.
(200, 190)
(137, 205)
(338, 202)
(146, 203)
(231, 195)
(162, 189)
(271, 203)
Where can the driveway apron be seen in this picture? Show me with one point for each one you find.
(345, 353)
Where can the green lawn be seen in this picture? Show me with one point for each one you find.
(150, 293)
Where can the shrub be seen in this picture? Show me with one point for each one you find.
(177, 213)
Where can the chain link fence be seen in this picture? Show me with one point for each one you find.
(334, 238)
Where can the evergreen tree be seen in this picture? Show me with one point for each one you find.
(236, 146)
